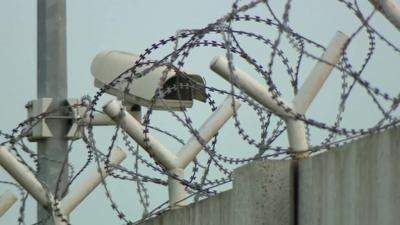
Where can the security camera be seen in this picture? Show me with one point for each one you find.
(177, 87)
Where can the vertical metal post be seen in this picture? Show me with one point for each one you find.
(52, 83)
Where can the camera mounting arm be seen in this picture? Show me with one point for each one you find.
(174, 163)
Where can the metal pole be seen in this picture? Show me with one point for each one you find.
(249, 85)
(295, 128)
(52, 83)
(7, 199)
(23, 176)
(390, 9)
(74, 198)
(175, 164)
(207, 131)
(193, 147)
(99, 119)
(320, 73)
(176, 190)
(164, 156)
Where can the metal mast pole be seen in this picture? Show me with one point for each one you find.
(52, 83)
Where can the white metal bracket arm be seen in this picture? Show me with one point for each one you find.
(28, 181)
(7, 199)
(390, 9)
(174, 163)
(295, 128)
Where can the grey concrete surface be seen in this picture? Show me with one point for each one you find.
(357, 184)
(262, 194)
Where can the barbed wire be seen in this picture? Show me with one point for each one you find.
(213, 168)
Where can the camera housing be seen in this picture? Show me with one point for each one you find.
(177, 92)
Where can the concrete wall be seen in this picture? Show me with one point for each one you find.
(262, 194)
(356, 184)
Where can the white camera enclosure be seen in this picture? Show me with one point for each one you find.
(108, 65)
